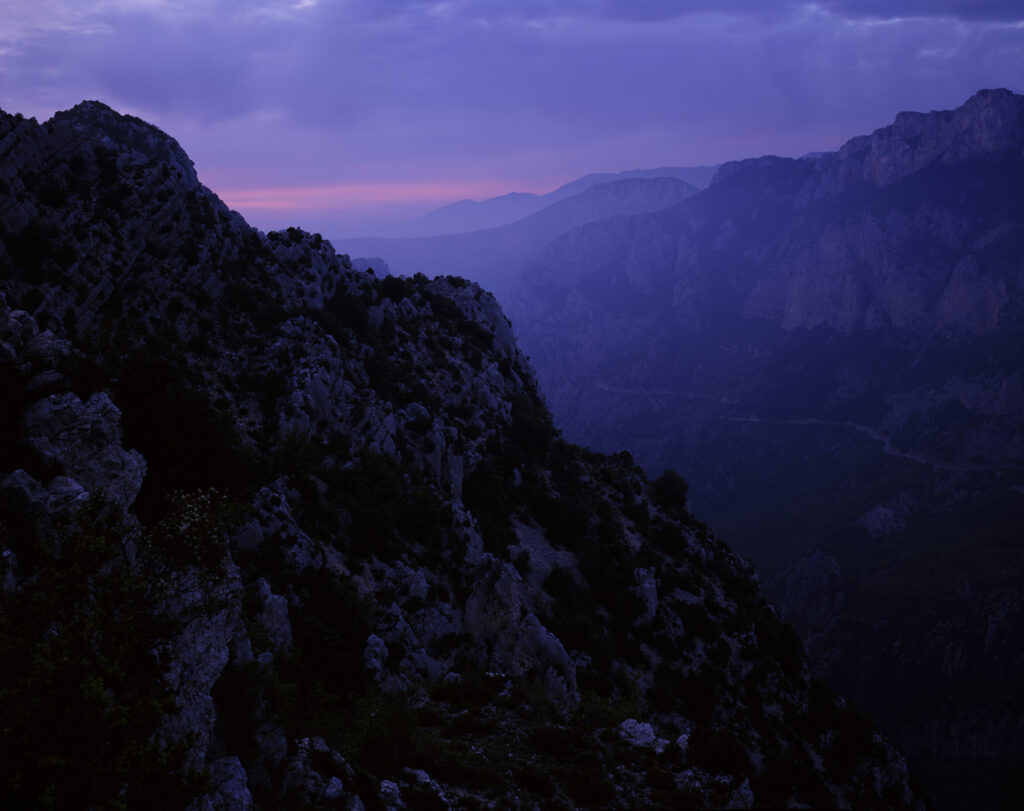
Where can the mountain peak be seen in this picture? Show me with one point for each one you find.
(91, 107)
(993, 95)
(988, 124)
(98, 122)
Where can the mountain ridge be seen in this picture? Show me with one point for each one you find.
(493, 256)
(468, 215)
(990, 122)
(277, 532)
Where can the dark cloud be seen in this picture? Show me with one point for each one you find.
(191, 68)
(660, 10)
(581, 10)
(527, 94)
(972, 10)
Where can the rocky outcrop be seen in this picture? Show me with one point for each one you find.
(285, 534)
(84, 441)
(315, 777)
(989, 124)
(230, 789)
(76, 446)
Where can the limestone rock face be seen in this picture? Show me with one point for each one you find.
(316, 776)
(273, 619)
(637, 734)
(989, 123)
(83, 440)
(199, 655)
(230, 790)
(60, 497)
(311, 533)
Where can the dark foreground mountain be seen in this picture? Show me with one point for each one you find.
(495, 256)
(832, 350)
(278, 533)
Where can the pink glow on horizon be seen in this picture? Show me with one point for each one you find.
(357, 196)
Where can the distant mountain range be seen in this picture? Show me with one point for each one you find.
(471, 215)
(832, 350)
(494, 257)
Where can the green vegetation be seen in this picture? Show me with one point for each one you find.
(718, 750)
(388, 514)
(82, 687)
(187, 442)
(669, 491)
(13, 399)
(316, 681)
(485, 493)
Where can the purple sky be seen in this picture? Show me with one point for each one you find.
(331, 114)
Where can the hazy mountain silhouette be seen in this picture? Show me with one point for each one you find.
(493, 257)
(471, 215)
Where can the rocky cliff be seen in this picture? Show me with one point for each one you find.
(830, 348)
(278, 533)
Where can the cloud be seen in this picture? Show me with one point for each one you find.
(524, 95)
(496, 11)
(563, 64)
(966, 10)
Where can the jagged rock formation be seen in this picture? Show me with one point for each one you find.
(830, 349)
(278, 533)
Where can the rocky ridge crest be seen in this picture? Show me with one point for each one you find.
(276, 532)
